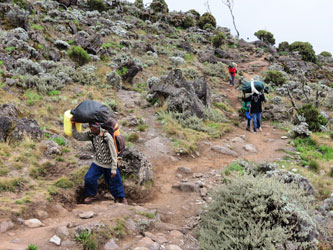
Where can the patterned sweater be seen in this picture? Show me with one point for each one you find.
(105, 150)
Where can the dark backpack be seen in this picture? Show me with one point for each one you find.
(111, 125)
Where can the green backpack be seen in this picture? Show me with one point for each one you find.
(246, 106)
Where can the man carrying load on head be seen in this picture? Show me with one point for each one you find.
(105, 162)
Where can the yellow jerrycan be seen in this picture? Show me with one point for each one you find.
(68, 124)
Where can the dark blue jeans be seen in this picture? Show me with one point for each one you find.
(91, 181)
(256, 121)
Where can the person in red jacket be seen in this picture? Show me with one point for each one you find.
(232, 72)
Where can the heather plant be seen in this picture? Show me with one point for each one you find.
(159, 6)
(250, 212)
(274, 76)
(79, 55)
(139, 4)
(305, 49)
(207, 18)
(265, 36)
(218, 39)
(189, 22)
(312, 116)
(96, 5)
(283, 47)
(326, 54)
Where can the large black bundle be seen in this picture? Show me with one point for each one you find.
(246, 87)
(91, 112)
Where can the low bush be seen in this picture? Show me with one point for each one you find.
(326, 54)
(159, 6)
(314, 166)
(208, 26)
(312, 116)
(79, 55)
(305, 49)
(258, 213)
(283, 47)
(96, 5)
(195, 14)
(189, 22)
(207, 18)
(265, 36)
(274, 76)
(218, 39)
(139, 4)
(64, 183)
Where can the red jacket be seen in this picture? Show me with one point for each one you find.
(232, 71)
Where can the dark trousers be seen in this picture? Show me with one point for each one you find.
(91, 181)
(256, 121)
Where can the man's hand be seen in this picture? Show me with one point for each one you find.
(113, 173)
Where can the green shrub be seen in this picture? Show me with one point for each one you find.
(207, 18)
(20, 3)
(312, 116)
(79, 55)
(37, 27)
(233, 167)
(159, 6)
(139, 4)
(64, 183)
(32, 247)
(96, 5)
(189, 22)
(314, 166)
(32, 97)
(10, 184)
(305, 49)
(283, 47)
(195, 14)
(258, 213)
(265, 36)
(275, 77)
(133, 137)
(325, 54)
(218, 39)
(88, 240)
(59, 140)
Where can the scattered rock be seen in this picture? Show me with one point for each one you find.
(187, 187)
(203, 191)
(56, 240)
(148, 243)
(5, 226)
(172, 247)
(87, 215)
(42, 214)
(111, 245)
(250, 148)
(32, 223)
(284, 137)
(114, 80)
(62, 231)
(224, 150)
(237, 140)
(184, 170)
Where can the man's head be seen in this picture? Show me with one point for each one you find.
(95, 128)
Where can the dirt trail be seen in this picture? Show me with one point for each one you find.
(175, 207)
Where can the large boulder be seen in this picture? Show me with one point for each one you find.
(92, 44)
(185, 97)
(137, 173)
(128, 67)
(13, 128)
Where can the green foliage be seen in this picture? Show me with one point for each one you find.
(215, 115)
(265, 36)
(59, 140)
(119, 229)
(147, 214)
(133, 137)
(257, 213)
(283, 47)
(10, 184)
(79, 55)
(1, 63)
(195, 14)
(112, 45)
(64, 183)
(207, 18)
(20, 3)
(32, 247)
(159, 6)
(10, 49)
(233, 167)
(122, 71)
(32, 97)
(189, 22)
(208, 26)
(139, 4)
(275, 77)
(326, 54)
(188, 57)
(40, 170)
(218, 39)
(313, 118)
(96, 5)
(305, 49)
(314, 166)
(88, 240)
(37, 27)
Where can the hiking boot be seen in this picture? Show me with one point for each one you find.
(90, 199)
(122, 200)
(248, 129)
(260, 129)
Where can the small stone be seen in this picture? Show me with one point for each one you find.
(32, 223)
(141, 248)
(203, 192)
(176, 234)
(250, 148)
(172, 247)
(62, 231)
(188, 187)
(68, 243)
(284, 137)
(224, 150)
(42, 214)
(294, 170)
(184, 170)
(6, 225)
(111, 245)
(87, 215)
(56, 240)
